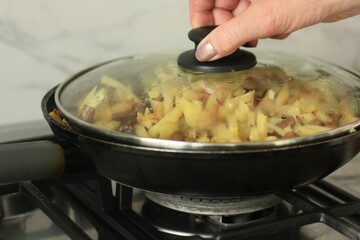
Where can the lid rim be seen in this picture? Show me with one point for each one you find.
(176, 145)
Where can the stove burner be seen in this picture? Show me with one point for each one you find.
(215, 206)
(180, 223)
(190, 216)
(233, 221)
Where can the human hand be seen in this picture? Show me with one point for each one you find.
(245, 21)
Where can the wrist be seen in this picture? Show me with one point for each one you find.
(335, 10)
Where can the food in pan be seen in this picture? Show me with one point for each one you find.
(260, 104)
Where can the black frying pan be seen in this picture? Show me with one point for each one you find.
(205, 173)
(169, 167)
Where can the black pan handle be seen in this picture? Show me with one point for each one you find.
(237, 61)
(35, 160)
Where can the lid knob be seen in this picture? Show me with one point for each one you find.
(237, 61)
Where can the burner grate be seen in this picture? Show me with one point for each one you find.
(343, 217)
(114, 217)
(94, 194)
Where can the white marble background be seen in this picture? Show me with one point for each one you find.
(43, 42)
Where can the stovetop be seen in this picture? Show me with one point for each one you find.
(89, 206)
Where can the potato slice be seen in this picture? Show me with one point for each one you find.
(283, 96)
(167, 125)
(122, 92)
(262, 125)
(194, 115)
(310, 129)
(118, 108)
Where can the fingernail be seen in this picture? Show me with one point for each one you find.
(205, 52)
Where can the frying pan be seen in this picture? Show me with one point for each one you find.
(194, 169)
(210, 173)
(192, 172)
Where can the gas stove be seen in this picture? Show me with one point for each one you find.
(85, 205)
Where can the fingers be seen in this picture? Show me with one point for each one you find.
(256, 22)
(221, 16)
(201, 12)
(245, 21)
(229, 36)
(209, 12)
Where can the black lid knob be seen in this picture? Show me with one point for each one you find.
(237, 61)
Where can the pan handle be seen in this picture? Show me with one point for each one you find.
(37, 160)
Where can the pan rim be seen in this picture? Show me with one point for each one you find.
(140, 149)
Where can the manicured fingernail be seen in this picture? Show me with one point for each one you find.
(205, 52)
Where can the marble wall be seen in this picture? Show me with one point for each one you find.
(43, 42)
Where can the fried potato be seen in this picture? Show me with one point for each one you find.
(246, 106)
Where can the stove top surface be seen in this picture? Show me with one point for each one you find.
(88, 206)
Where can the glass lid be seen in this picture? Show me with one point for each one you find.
(284, 99)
